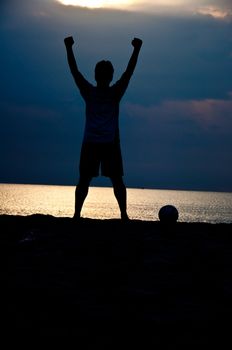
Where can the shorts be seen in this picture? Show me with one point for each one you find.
(105, 155)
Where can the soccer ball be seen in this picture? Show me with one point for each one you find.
(168, 214)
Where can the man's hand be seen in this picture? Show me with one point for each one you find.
(69, 41)
(137, 43)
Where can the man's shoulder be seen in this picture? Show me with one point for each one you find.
(87, 88)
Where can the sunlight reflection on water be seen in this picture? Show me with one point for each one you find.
(143, 204)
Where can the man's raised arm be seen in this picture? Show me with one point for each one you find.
(78, 77)
(136, 43)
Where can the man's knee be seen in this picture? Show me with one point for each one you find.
(117, 182)
(83, 182)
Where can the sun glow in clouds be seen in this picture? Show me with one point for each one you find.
(97, 3)
(214, 12)
(121, 3)
(172, 7)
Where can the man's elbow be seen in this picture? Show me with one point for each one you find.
(73, 71)
(128, 74)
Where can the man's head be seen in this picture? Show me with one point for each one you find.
(104, 72)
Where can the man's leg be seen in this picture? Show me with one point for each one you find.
(121, 196)
(81, 192)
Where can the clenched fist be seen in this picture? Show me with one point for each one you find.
(69, 41)
(137, 43)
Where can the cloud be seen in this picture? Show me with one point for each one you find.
(219, 9)
(97, 3)
(209, 114)
(32, 112)
(214, 8)
(179, 144)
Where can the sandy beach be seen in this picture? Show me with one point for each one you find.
(61, 275)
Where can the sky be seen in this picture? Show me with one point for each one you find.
(175, 117)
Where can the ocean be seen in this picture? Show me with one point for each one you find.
(142, 204)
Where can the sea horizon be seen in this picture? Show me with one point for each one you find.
(127, 187)
(142, 203)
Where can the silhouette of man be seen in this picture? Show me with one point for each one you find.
(101, 142)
